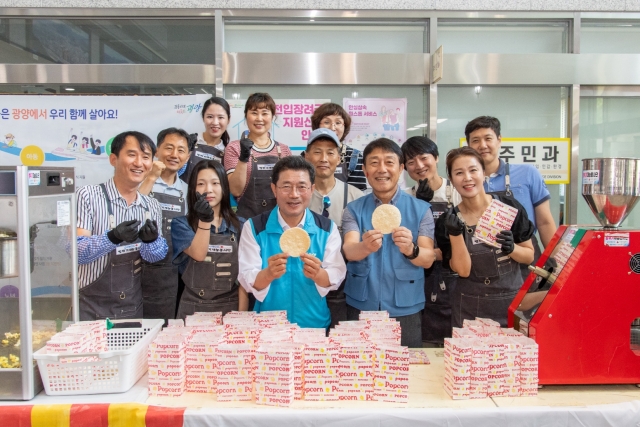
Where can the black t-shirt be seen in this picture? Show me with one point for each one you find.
(522, 227)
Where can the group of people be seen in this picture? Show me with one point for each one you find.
(161, 240)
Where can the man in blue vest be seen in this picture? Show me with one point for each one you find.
(277, 280)
(385, 272)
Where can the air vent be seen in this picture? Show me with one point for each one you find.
(634, 263)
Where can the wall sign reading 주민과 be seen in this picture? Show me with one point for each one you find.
(551, 156)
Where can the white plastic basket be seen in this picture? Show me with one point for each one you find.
(113, 371)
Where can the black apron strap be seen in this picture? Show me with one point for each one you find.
(346, 193)
(112, 218)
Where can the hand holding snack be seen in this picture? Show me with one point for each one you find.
(312, 266)
(277, 266)
(403, 239)
(372, 240)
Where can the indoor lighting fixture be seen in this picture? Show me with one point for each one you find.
(235, 96)
(354, 94)
(442, 120)
(69, 89)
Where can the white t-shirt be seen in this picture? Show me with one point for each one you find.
(336, 195)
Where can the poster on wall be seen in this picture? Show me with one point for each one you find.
(373, 118)
(77, 131)
(551, 156)
(291, 127)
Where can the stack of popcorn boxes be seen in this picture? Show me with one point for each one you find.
(321, 381)
(208, 318)
(528, 361)
(261, 357)
(458, 353)
(275, 373)
(355, 368)
(392, 374)
(83, 337)
(482, 359)
(234, 372)
(201, 362)
(167, 359)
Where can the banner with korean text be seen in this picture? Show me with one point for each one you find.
(373, 118)
(551, 156)
(77, 131)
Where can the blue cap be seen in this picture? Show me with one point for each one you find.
(323, 133)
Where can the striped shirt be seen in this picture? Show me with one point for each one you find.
(356, 178)
(93, 215)
(233, 152)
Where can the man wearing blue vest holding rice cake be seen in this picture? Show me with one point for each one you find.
(290, 256)
(386, 271)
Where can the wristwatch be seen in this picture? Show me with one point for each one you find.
(414, 254)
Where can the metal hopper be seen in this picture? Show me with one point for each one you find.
(611, 187)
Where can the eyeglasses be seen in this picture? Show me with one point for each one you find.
(300, 189)
(326, 204)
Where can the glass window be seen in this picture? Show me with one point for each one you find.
(608, 37)
(503, 37)
(323, 38)
(609, 127)
(540, 112)
(107, 41)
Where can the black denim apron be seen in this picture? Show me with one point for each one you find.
(199, 153)
(211, 285)
(438, 286)
(524, 268)
(160, 279)
(342, 170)
(494, 281)
(337, 300)
(116, 293)
(258, 197)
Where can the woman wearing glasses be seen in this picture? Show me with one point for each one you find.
(205, 245)
(250, 160)
(329, 198)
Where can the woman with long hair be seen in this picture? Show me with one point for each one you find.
(205, 245)
(489, 277)
(211, 143)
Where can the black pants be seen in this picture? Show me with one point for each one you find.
(411, 326)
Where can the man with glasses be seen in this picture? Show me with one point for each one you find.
(277, 280)
(329, 198)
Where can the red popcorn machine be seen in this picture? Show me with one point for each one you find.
(581, 302)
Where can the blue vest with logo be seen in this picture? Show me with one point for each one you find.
(386, 280)
(293, 291)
